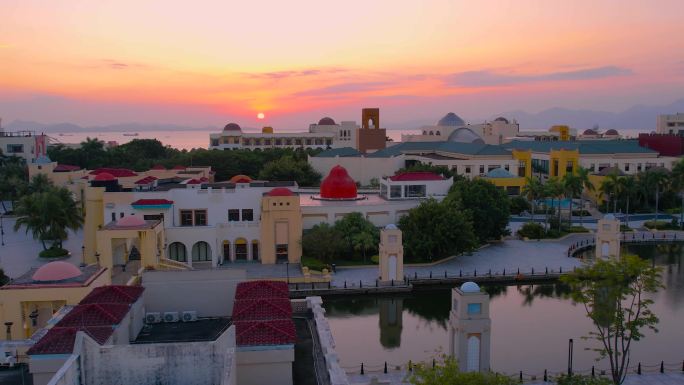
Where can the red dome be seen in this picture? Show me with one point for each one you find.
(240, 179)
(338, 185)
(56, 271)
(280, 192)
(104, 177)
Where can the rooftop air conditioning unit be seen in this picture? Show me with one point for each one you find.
(153, 318)
(190, 316)
(171, 316)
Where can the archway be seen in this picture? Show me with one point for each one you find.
(177, 252)
(201, 252)
(241, 249)
(226, 251)
(255, 251)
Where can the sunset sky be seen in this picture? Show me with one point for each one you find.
(208, 62)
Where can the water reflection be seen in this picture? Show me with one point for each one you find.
(530, 324)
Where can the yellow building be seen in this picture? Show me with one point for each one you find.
(29, 301)
(563, 161)
(281, 227)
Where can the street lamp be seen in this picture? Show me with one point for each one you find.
(287, 271)
(2, 230)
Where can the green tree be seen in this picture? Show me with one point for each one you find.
(554, 189)
(489, 207)
(572, 187)
(39, 183)
(519, 204)
(654, 181)
(533, 191)
(447, 372)
(437, 229)
(587, 186)
(677, 182)
(322, 242)
(614, 293)
(626, 188)
(356, 231)
(12, 177)
(609, 188)
(288, 168)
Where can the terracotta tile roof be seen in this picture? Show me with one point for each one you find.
(152, 202)
(262, 309)
(146, 180)
(65, 168)
(271, 332)
(60, 340)
(416, 176)
(113, 294)
(194, 181)
(158, 167)
(117, 172)
(262, 289)
(178, 167)
(95, 315)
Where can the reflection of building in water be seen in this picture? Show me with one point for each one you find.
(470, 328)
(391, 311)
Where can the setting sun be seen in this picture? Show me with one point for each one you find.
(260, 115)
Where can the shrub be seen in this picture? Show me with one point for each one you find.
(578, 379)
(625, 228)
(314, 264)
(575, 229)
(519, 204)
(662, 225)
(54, 252)
(532, 230)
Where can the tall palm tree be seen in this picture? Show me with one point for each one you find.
(572, 185)
(39, 183)
(583, 175)
(658, 179)
(554, 189)
(627, 189)
(533, 191)
(677, 181)
(31, 213)
(609, 187)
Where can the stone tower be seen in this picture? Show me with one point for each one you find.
(470, 328)
(608, 237)
(391, 263)
(370, 137)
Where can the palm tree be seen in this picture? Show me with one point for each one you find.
(554, 189)
(609, 188)
(30, 212)
(583, 175)
(653, 180)
(362, 242)
(572, 185)
(533, 191)
(677, 181)
(626, 189)
(39, 183)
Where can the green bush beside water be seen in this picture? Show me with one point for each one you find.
(662, 225)
(53, 252)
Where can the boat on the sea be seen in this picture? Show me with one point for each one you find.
(130, 134)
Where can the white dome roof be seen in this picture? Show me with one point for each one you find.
(470, 287)
(465, 135)
(391, 226)
(609, 217)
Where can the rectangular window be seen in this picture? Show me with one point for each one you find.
(186, 217)
(154, 217)
(627, 167)
(467, 169)
(474, 308)
(395, 191)
(281, 253)
(214, 142)
(15, 148)
(383, 190)
(233, 215)
(113, 217)
(247, 215)
(121, 215)
(200, 217)
(392, 239)
(267, 142)
(482, 169)
(415, 191)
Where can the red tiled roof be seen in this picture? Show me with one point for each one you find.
(179, 167)
(158, 167)
(95, 315)
(113, 294)
(146, 180)
(117, 172)
(144, 202)
(194, 181)
(60, 340)
(280, 192)
(261, 289)
(272, 332)
(65, 168)
(415, 176)
(262, 309)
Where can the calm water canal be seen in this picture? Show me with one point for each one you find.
(530, 325)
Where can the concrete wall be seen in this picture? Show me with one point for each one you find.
(44, 368)
(263, 366)
(187, 363)
(209, 292)
(68, 374)
(337, 375)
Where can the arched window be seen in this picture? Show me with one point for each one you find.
(432, 133)
(177, 252)
(437, 133)
(424, 132)
(201, 252)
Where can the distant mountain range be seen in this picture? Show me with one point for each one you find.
(639, 117)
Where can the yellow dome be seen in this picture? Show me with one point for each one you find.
(267, 130)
